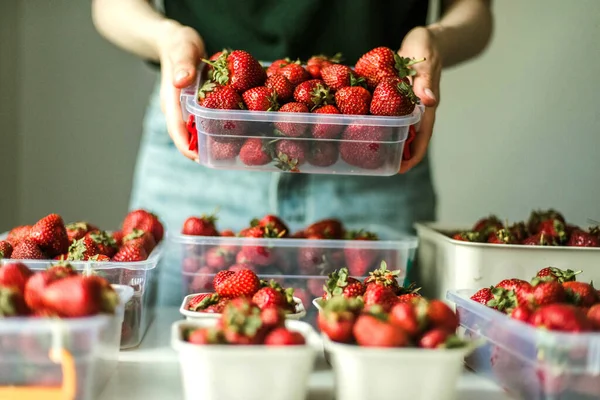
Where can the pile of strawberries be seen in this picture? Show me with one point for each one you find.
(234, 80)
(244, 323)
(50, 238)
(553, 300)
(58, 291)
(243, 283)
(543, 228)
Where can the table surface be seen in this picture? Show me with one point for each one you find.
(151, 371)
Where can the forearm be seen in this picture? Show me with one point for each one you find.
(463, 31)
(133, 25)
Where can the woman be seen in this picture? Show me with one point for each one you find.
(188, 30)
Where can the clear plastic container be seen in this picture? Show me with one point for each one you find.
(222, 133)
(142, 276)
(447, 264)
(527, 362)
(299, 263)
(215, 372)
(92, 343)
(194, 315)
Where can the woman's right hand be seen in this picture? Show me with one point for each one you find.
(180, 50)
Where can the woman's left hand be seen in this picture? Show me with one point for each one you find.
(420, 43)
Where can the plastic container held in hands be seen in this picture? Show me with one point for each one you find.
(290, 142)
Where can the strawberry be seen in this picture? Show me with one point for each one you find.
(83, 249)
(483, 296)
(276, 66)
(316, 64)
(295, 73)
(106, 244)
(255, 152)
(327, 131)
(130, 253)
(6, 249)
(328, 228)
(580, 293)
(118, 237)
(203, 336)
(519, 231)
(138, 237)
(361, 146)
(77, 230)
(239, 69)
(338, 76)
(547, 292)
(274, 295)
(561, 317)
(218, 307)
(272, 317)
(291, 129)
(381, 63)
(538, 216)
(37, 284)
(97, 257)
(224, 150)
(242, 323)
(513, 284)
(403, 315)
(260, 98)
(557, 274)
(539, 239)
(290, 154)
(580, 238)
(15, 275)
(26, 249)
(218, 258)
(274, 224)
(337, 318)
(314, 259)
(219, 97)
(50, 234)
(434, 339)
(384, 277)
(313, 93)
(521, 313)
(240, 283)
(408, 297)
(354, 100)
(203, 225)
(17, 234)
(281, 86)
(80, 296)
(258, 255)
(202, 301)
(438, 315)
(145, 221)
(467, 236)
(502, 236)
(593, 315)
(358, 259)
(284, 337)
(339, 283)
(227, 233)
(380, 295)
(393, 97)
(553, 228)
(12, 303)
(371, 331)
(487, 224)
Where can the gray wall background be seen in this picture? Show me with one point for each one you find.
(518, 128)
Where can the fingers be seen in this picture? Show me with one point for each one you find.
(421, 141)
(426, 88)
(183, 59)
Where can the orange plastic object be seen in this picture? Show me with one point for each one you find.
(65, 392)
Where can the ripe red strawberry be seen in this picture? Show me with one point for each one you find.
(381, 63)
(547, 292)
(138, 237)
(539, 239)
(580, 238)
(255, 152)
(83, 249)
(221, 277)
(467, 236)
(553, 228)
(106, 244)
(538, 216)
(242, 323)
(557, 274)
(77, 230)
(329, 228)
(36, 285)
(295, 73)
(276, 66)
(130, 253)
(580, 293)
(313, 93)
(593, 315)
(291, 129)
(434, 339)
(218, 97)
(118, 237)
(408, 297)
(218, 307)
(384, 277)
(354, 100)
(361, 146)
(239, 69)
(203, 225)
(404, 316)
(17, 234)
(338, 76)
(327, 131)
(97, 257)
(26, 249)
(358, 259)
(227, 233)
(80, 296)
(6, 249)
(270, 296)
(50, 235)
(218, 258)
(284, 337)
(487, 224)
(483, 296)
(337, 318)
(371, 331)
(12, 303)
(380, 295)
(15, 275)
(204, 336)
(438, 314)
(513, 284)
(393, 97)
(274, 224)
(340, 283)
(323, 154)
(502, 236)
(145, 221)
(202, 301)
(281, 86)
(561, 317)
(316, 64)
(258, 254)
(519, 231)
(240, 283)
(521, 313)
(260, 98)
(290, 154)
(224, 150)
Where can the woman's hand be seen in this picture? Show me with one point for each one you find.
(420, 43)
(180, 50)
